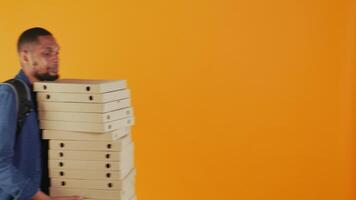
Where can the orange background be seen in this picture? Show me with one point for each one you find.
(234, 99)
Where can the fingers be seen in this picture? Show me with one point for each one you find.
(68, 198)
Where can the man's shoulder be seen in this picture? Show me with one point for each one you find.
(7, 89)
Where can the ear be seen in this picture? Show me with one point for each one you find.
(24, 57)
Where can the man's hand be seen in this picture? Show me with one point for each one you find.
(42, 196)
(67, 198)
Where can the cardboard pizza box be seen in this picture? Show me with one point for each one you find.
(83, 98)
(86, 136)
(80, 86)
(84, 107)
(86, 117)
(87, 126)
(116, 145)
(131, 198)
(86, 174)
(94, 193)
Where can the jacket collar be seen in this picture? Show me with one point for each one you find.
(22, 76)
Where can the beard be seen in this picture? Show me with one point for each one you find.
(46, 77)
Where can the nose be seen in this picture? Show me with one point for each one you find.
(55, 59)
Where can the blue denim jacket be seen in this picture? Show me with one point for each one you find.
(20, 154)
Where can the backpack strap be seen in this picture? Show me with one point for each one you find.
(23, 104)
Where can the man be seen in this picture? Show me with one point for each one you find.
(22, 157)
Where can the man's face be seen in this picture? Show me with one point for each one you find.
(43, 58)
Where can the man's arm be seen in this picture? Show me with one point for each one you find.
(12, 181)
(42, 196)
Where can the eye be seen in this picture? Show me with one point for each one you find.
(47, 53)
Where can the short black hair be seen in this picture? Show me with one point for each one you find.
(31, 35)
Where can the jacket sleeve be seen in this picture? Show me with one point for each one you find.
(12, 181)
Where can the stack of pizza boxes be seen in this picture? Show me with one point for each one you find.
(87, 124)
